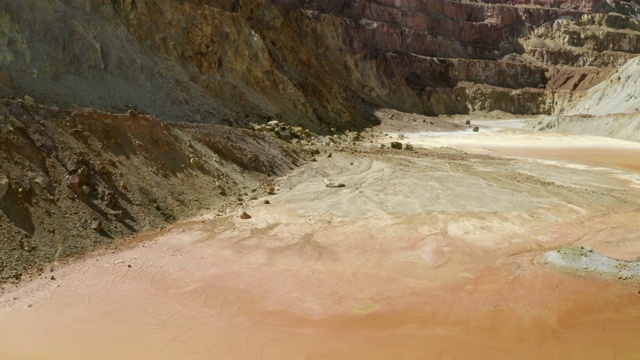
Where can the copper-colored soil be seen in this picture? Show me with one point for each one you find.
(423, 255)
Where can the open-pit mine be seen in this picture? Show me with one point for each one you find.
(341, 179)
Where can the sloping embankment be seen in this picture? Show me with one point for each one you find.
(618, 126)
(609, 109)
(75, 180)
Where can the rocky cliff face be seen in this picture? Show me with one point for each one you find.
(315, 63)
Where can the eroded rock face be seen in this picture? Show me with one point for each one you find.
(320, 64)
(75, 180)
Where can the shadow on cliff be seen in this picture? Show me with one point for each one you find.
(17, 211)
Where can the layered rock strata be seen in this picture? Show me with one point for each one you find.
(320, 64)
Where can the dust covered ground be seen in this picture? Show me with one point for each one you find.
(424, 254)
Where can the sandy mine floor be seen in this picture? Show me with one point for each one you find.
(426, 254)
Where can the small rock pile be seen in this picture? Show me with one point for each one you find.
(302, 136)
(399, 146)
(283, 131)
(95, 183)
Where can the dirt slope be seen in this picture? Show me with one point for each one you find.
(619, 94)
(75, 180)
(610, 108)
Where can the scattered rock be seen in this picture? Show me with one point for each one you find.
(4, 186)
(97, 226)
(110, 200)
(24, 190)
(401, 136)
(468, 122)
(396, 145)
(245, 216)
(29, 100)
(267, 202)
(103, 173)
(333, 184)
(330, 155)
(74, 182)
(408, 147)
(476, 129)
(53, 278)
(118, 215)
(271, 190)
(25, 186)
(41, 179)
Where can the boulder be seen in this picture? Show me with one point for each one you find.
(41, 179)
(111, 200)
(396, 145)
(75, 182)
(118, 215)
(25, 186)
(333, 184)
(97, 226)
(24, 190)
